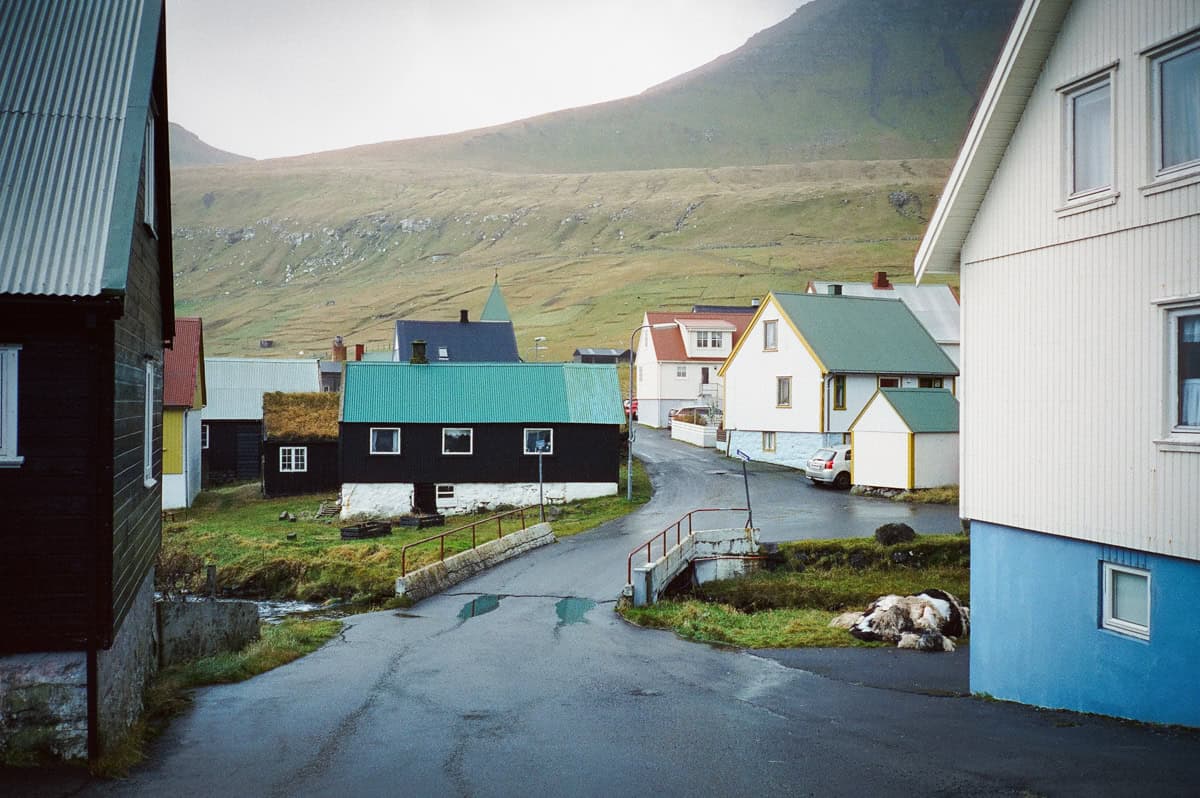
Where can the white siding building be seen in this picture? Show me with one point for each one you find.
(1073, 215)
(907, 439)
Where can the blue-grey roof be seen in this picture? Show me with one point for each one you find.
(935, 306)
(75, 90)
(236, 384)
(462, 341)
(924, 409)
(481, 393)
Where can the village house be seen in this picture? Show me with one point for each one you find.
(457, 437)
(231, 430)
(807, 365)
(907, 439)
(1073, 218)
(462, 341)
(184, 396)
(86, 306)
(300, 443)
(679, 358)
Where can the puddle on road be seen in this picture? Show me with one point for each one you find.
(571, 610)
(478, 606)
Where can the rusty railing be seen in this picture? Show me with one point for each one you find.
(472, 526)
(679, 536)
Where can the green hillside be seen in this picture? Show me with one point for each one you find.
(839, 79)
(187, 149)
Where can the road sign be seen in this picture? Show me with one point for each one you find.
(743, 455)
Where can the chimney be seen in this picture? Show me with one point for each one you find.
(339, 350)
(418, 353)
(358, 351)
(755, 302)
(462, 316)
(880, 281)
(834, 289)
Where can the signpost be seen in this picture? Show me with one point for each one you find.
(746, 481)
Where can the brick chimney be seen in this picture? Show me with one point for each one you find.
(418, 353)
(339, 350)
(462, 316)
(880, 281)
(358, 351)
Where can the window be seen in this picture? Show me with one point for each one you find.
(203, 436)
(445, 491)
(293, 458)
(148, 428)
(702, 339)
(443, 353)
(717, 340)
(771, 335)
(681, 372)
(930, 382)
(889, 382)
(1126, 600)
(1185, 360)
(1088, 125)
(8, 406)
(457, 440)
(385, 440)
(149, 201)
(783, 391)
(839, 392)
(539, 440)
(768, 442)
(1175, 78)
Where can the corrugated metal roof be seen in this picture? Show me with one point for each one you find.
(181, 365)
(75, 81)
(923, 409)
(481, 393)
(935, 306)
(236, 384)
(861, 335)
(463, 341)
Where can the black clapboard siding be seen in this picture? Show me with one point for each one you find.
(582, 453)
(322, 474)
(222, 457)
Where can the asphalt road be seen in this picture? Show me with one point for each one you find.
(523, 681)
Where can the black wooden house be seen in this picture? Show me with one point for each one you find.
(300, 443)
(86, 305)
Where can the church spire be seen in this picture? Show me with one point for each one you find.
(495, 309)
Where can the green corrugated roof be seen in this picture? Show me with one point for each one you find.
(481, 393)
(862, 335)
(924, 410)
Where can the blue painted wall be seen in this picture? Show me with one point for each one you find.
(1036, 636)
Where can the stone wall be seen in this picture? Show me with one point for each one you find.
(43, 705)
(124, 670)
(194, 629)
(792, 449)
(437, 577)
(392, 499)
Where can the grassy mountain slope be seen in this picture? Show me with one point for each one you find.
(187, 149)
(839, 79)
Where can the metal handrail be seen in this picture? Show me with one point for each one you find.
(678, 525)
(442, 537)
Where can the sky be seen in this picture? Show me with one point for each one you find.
(271, 78)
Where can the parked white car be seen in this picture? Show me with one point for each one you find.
(830, 466)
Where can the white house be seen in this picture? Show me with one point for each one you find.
(1073, 217)
(906, 438)
(935, 306)
(808, 364)
(184, 398)
(677, 366)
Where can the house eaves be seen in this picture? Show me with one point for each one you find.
(1000, 109)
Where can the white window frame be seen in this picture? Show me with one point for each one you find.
(771, 335)
(525, 445)
(8, 406)
(148, 428)
(149, 197)
(1158, 56)
(702, 339)
(298, 458)
(1174, 389)
(780, 399)
(203, 436)
(768, 436)
(371, 441)
(681, 372)
(1108, 619)
(1096, 196)
(444, 492)
(470, 438)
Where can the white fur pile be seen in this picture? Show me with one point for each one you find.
(928, 621)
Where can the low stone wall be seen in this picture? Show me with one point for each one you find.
(695, 434)
(437, 577)
(43, 705)
(194, 629)
(651, 579)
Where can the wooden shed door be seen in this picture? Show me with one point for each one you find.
(247, 454)
(425, 497)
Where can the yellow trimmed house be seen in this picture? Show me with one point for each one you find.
(184, 397)
(906, 438)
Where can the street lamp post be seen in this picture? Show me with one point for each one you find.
(538, 348)
(629, 410)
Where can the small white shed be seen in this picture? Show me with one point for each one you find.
(906, 438)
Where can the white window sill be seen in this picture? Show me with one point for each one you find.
(1179, 443)
(1086, 203)
(1172, 181)
(11, 462)
(149, 483)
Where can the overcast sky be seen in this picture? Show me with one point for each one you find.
(269, 78)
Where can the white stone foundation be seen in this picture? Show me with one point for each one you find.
(376, 498)
(391, 499)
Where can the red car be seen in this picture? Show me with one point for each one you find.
(635, 401)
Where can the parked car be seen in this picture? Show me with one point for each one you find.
(696, 414)
(830, 466)
(635, 418)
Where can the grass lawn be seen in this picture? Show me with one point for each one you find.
(240, 532)
(792, 606)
